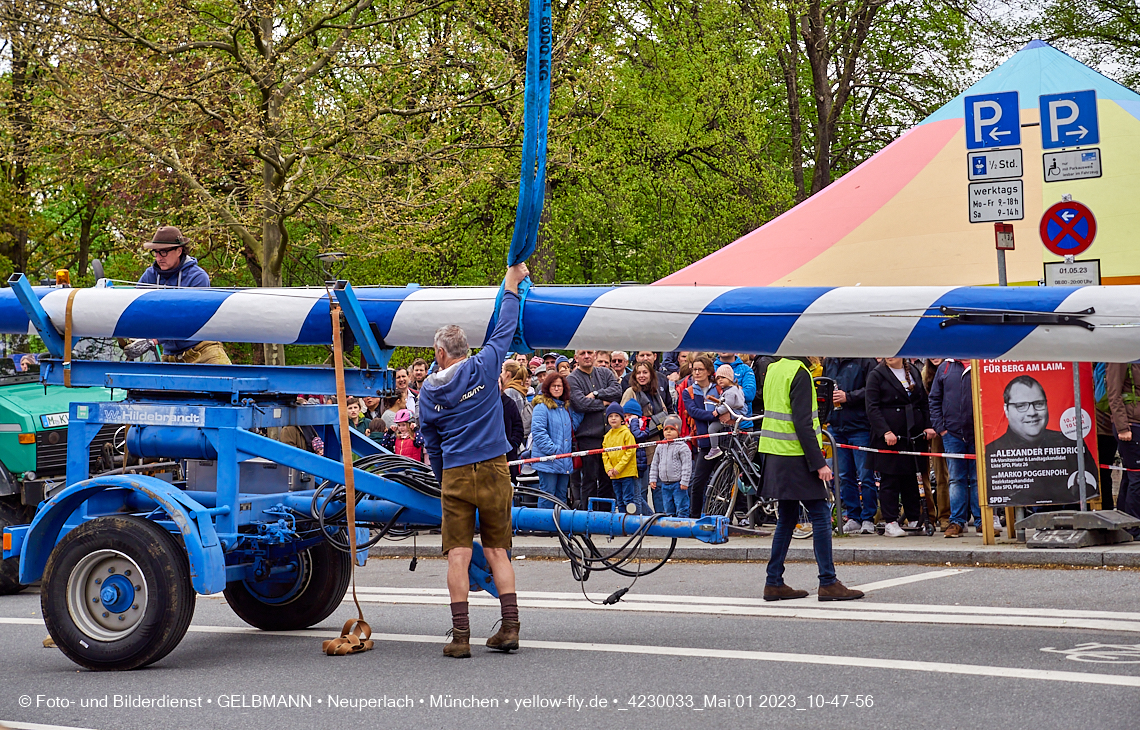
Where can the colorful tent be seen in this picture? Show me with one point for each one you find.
(901, 218)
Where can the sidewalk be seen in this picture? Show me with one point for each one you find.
(936, 550)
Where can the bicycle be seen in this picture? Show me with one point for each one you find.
(737, 474)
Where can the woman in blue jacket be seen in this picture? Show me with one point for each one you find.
(702, 414)
(551, 434)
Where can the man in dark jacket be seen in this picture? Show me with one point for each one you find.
(848, 425)
(173, 267)
(796, 473)
(591, 390)
(461, 413)
(952, 416)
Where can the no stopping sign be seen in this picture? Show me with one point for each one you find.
(1068, 229)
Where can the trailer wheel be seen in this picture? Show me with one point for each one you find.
(303, 598)
(117, 594)
(10, 515)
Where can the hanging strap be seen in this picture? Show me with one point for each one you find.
(355, 635)
(536, 119)
(67, 338)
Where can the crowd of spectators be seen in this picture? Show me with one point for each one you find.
(554, 404)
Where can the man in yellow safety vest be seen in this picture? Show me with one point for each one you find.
(796, 473)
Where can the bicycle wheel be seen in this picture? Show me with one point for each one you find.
(720, 495)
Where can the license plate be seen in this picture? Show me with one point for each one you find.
(54, 420)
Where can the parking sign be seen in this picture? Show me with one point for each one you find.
(1069, 119)
(993, 120)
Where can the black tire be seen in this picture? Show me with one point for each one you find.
(11, 513)
(78, 565)
(720, 496)
(323, 577)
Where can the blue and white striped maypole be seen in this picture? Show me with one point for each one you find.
(1022, 323)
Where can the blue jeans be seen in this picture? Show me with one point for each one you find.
(856, 478)
(674, 501)
(628, 491)
(963, 481)
(789, 513)
(555, 485)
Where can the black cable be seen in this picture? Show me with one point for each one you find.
(585, 557)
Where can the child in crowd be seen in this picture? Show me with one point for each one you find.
(732, 396)
(376, 429)
(405, 440)
(670, 472)
(354, 406)
(638, 425)
(621, 466)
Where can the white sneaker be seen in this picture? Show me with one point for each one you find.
(893, 530)
(912, 525)
(868, 528)
(851, 527)
(714, 453)
(997, 525)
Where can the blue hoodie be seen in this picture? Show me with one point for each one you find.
(187, 273)
(461, 412)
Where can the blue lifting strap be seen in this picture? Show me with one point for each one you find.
(536, 117)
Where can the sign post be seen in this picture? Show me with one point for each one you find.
(1003, 241)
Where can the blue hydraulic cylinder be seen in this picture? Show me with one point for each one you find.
(171, 442)
(710, 529)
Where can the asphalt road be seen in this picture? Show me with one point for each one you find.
(929, 646)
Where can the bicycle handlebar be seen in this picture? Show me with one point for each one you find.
(739, 416)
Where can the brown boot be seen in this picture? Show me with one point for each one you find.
(507, 637)
(460, 646)
(838, 592)
(782, 593)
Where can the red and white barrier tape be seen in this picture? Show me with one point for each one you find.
(591, 452)
(852, 447)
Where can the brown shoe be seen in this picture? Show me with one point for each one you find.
(838, 592)
(782, 593)
(954, 530)
(460, 646)
(506, 638)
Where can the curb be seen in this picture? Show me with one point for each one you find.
(998, 557)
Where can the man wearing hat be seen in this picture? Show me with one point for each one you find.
(174, 267)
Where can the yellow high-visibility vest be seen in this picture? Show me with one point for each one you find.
(777, 432)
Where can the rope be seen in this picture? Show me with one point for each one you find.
(355, 635)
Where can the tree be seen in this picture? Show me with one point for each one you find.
(338, 112)
(857, 72)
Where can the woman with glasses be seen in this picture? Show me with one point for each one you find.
(700, 386)
(899, 413)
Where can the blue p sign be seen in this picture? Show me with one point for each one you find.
(1069, 119)
(993, 120)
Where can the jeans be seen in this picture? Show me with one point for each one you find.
(963, 481)
(856, 478)
(702, 471)
(627, 490)
(670, 499)
(1129, 501)
(789, 514)
(595, 481)
(555, 485)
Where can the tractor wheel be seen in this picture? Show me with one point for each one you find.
(11, 513)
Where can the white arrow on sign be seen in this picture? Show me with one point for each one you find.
(1079, 130)
(1067, 215)
(994, 134)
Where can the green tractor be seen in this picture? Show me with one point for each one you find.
(33, 445)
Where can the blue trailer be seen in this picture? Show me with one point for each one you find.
(121, 554)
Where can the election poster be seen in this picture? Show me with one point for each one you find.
(1029, 428)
